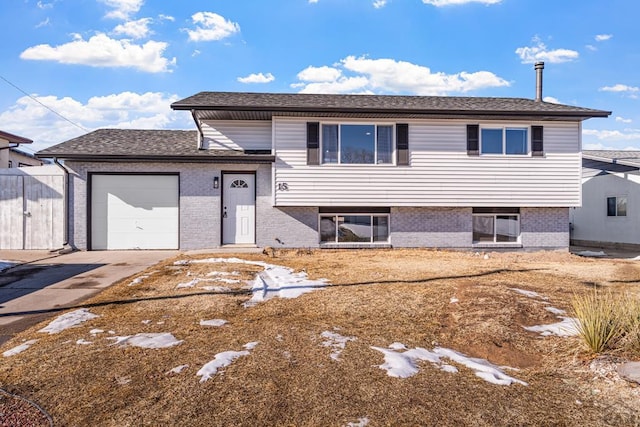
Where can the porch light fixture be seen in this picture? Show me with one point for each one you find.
(216, 182)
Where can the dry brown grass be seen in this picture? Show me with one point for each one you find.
(380, 297)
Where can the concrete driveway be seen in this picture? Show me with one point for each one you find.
(44, 284)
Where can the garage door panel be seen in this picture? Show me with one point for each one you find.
(135, 211)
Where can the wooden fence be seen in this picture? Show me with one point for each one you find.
(32, 214)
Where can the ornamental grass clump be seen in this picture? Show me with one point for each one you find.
(601, 319)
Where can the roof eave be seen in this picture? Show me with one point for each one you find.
(249, 158)
(571, 115)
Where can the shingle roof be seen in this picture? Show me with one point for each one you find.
(622, 157)
(134, 144)
(14, 139)
(389, 104)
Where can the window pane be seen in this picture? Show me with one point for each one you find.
(611, 206)
(482, 228)
(357, 143)
(380, 228)
(516, 141)
(385, 144)
(329, 143)
(621, 206)
(491, 140)
(507, 228)
(354, 228)
(328, 229)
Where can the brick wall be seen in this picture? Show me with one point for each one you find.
(544, 228)
(200, 226)
(431, 227)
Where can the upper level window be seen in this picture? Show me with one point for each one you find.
(357, 144)
(504, 141)
(616, 206)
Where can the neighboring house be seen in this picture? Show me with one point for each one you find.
(302, 170)
(19, 159)
(610, 212)
(8, 142)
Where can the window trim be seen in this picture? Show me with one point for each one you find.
(494, 215)
(363, 214)
(504, 128)
(626, 203)
(394, 148)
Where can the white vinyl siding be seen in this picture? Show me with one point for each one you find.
(236, 135)
(441, 172)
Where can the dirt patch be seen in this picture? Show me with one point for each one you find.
(421, 298)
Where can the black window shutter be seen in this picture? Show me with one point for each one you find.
(537, 141)
(473, 140)
(313, 143)
(402, 144)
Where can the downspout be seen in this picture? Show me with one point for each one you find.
(66, 248)
(200, 132)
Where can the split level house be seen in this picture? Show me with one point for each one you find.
(331, 171)
(610, 208)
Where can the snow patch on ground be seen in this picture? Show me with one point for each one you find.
(213, 322)
(556, 311)
(177, 369)
(68, 320)
(336, 341)
(530, 294)
(592, 254)
(222, 360)
(138, 280)
(362, 422)
(82, 341)
(19, 349)
(568, 327)
(273, 281)
(453, 300)
(194, 282)
(96, 331)
(216, 288)
(148, 340)
(5, 264)
(403, 364)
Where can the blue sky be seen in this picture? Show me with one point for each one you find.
(120, 63)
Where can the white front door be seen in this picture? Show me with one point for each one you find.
(238, 208)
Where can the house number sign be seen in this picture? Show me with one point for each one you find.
(283, 186)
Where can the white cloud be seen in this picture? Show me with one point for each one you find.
(602, 37)
(122, 9)
(630, 90)
(441, 3)
(551, 100)
(166, 18)
(313, 1)
(614, 135)
(211, 26)
(591, 47)
(390, 76)
(149, 110)
(196, 53)
(103, 51)
(319, 74)
(44, 23)
(379, 3)
(136, 29)
(623, 120)
(42, 5)
(257, 78)
(539, 52)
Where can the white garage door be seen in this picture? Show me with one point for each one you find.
(134, 211)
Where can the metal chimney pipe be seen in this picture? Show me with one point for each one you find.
(539, 66)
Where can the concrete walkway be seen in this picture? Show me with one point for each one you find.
(44, 283)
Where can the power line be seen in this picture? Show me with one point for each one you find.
(45, 106)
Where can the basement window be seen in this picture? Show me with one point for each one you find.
(354, 228)
(500, 225)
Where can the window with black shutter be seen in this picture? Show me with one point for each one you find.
(402, 144)
(473, 140)
(537, 141)
(313, 143)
